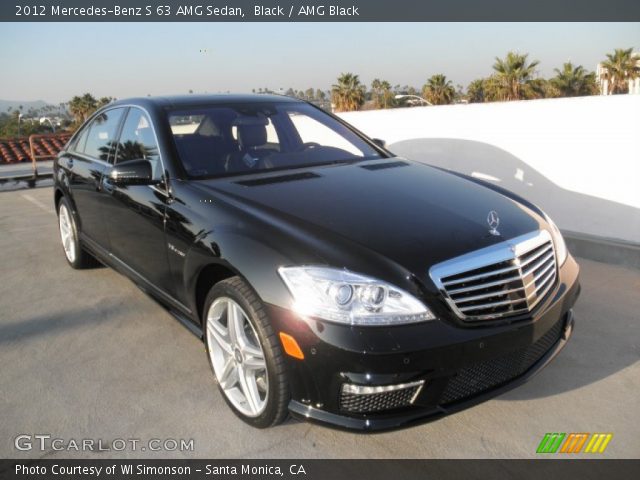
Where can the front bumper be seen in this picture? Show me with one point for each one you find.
(460, 365)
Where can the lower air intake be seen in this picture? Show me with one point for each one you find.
(368, 399)
(483, 376)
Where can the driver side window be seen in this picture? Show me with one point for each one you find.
(137, 141)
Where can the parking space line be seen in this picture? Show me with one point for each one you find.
(37, 203)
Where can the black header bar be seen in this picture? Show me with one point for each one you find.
(319, 10)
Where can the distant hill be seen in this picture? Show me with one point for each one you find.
(26, 105)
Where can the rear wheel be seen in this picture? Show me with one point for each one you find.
(76, 256)
(244, 353)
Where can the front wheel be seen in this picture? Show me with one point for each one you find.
(244, 353)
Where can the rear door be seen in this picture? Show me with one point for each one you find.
(85, 163)
(135, 214)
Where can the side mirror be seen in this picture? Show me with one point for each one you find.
(132, 172)
(379, 142)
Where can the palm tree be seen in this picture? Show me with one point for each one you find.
(407, 90)
(382, 93)
(476, 91)
(574, 81)
(620, 67)
(375, 92)
(438, 90)
(386, 94)
(514, 77)
(81, 107)
(104, 101)
(348, 94)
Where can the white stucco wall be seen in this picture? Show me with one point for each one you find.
(577, 158)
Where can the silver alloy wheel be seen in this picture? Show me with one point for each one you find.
(66, 233)
(237, 357)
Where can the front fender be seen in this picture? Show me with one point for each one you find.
(255, 261)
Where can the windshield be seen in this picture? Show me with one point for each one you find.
(251, 137)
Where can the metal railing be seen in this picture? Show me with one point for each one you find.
(32, 150)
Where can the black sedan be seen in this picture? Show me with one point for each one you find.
(328, 278)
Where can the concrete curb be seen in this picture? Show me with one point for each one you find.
(608, 250)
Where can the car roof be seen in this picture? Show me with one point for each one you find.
(199, 100)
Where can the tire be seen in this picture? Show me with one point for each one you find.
(236, 358)
(76, 256)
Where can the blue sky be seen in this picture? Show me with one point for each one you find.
(54, 61)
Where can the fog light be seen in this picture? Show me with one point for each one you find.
(375, 398)
(371, 389)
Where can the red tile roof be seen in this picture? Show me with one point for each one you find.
(15, 150)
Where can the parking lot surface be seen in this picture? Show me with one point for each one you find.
(87, 355)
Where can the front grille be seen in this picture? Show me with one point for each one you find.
(506, 279)
(365, 401)
(483, 376)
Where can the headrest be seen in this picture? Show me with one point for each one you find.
(250, 120)
(251, 136)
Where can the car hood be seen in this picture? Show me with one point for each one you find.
(411, 213)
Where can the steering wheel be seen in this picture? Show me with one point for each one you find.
(263, 164)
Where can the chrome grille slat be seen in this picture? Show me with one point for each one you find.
(539, 275)
(551, 284)
(550, 276)
(488, 295)
(537, 255)
(515, 311)
(484, 285)
(481, 275)
(538, 264)
(492, 304)
(472, 284)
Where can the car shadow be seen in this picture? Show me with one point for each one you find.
(57, 322)
(495, 165)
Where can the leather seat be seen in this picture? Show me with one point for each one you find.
(248, 156)
(202, 155)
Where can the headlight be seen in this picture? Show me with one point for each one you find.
(558, 241)
(346, 297)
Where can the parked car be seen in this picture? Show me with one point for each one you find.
(327, 277)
